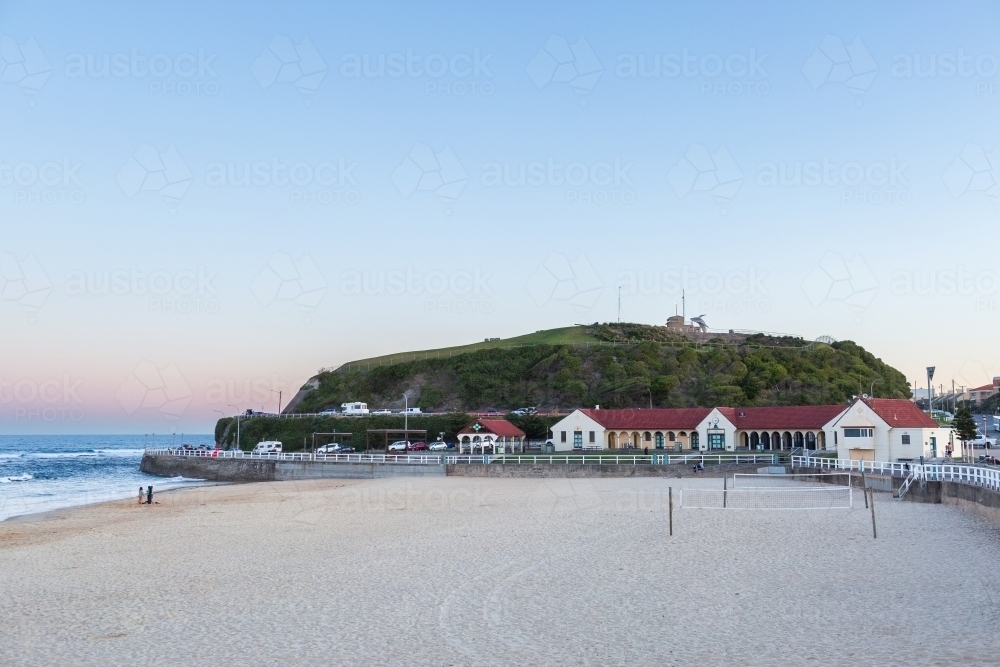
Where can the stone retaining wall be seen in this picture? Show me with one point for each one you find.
(249, 470)
(592, 470)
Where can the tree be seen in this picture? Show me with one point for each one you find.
(964, 424)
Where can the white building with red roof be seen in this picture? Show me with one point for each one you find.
(889, 429)
(491, 436)
(878, 429)
(980, 394)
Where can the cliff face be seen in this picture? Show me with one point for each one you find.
(618, 365)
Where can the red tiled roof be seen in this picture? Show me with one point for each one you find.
(783, 416)
(985, 387)
(661, 418)
(500, 427)
(900, 413)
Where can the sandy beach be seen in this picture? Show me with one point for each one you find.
(454, 571)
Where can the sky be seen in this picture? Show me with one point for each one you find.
(202, 205)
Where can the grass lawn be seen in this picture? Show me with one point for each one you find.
(563, 336)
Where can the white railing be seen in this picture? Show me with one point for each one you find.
(874, 467)
(420, 459)
(611, 459)
(451, 459)
(974, 475)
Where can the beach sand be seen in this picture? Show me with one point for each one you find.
(450, 571)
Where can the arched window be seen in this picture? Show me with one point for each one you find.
(647, 436)
(670, 436)
(659, 440)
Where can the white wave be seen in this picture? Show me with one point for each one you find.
(15, 455)
(16, 478)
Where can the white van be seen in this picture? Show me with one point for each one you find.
(354, 408)
(411, 411)
(268, 447)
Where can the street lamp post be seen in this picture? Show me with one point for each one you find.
(237, 424)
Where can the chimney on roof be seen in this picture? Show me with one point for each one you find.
(597, 407)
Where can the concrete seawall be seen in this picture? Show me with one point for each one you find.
(982, 501)
(591, 470)
(248, 470)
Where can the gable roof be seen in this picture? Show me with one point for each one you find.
(900, 413)
(782, 417)
(649, 418)
(500, 427)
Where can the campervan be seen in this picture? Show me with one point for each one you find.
(354, 409)
(268, 447)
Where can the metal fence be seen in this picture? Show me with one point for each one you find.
(974, 475)
(451, 459)
(420, 459)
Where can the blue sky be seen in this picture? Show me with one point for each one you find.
(145, 287)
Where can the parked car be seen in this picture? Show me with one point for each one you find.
(345, 449)
(522, 412)
(329, 449)
(399, 446)
(418, 447)
(382, 411)
(492, 411)
(438, 445)
(330, 411)
(983, 441)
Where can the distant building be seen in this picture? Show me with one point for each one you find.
(980, 394)
(877, 429)
(889, 429)
(491, 436)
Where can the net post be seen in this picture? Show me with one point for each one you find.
(864, 488)
(725, 491)
(874, 531)
(670, 502)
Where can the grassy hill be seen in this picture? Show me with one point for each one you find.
(614, 365)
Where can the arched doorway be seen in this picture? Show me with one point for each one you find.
(754, 440)
(799, 441)
(810, 440)
(786, 440)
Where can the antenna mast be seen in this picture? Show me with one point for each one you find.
(683, 308)
(619, 304)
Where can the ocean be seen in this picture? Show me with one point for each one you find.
(39, 473)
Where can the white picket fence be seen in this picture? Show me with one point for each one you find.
(435, 459)
(419, 459)
(974, 475)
